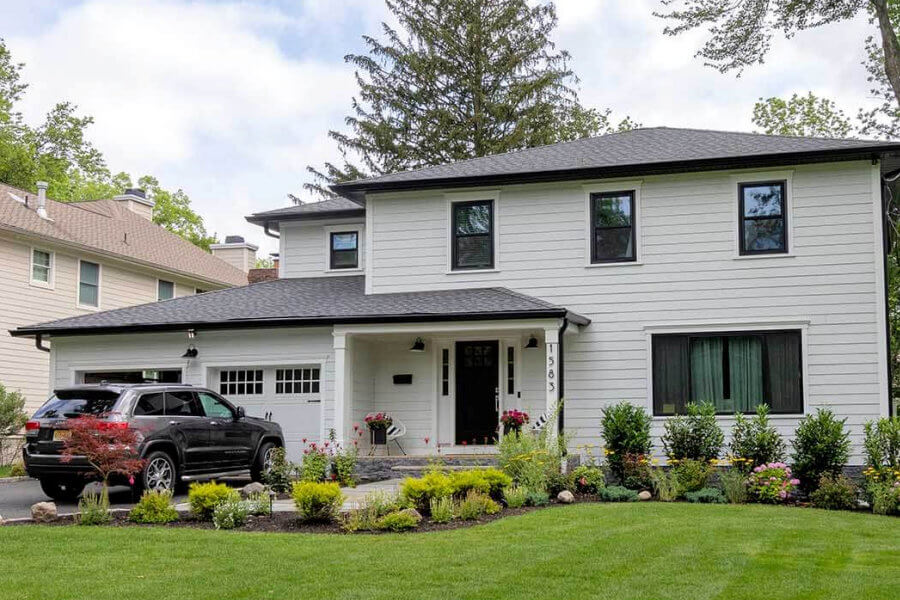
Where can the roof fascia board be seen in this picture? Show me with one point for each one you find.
(263, 218)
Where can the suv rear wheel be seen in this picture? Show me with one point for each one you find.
(65, 490)
(159, 473)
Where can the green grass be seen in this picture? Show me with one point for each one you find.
(623, 551)
(5, 470)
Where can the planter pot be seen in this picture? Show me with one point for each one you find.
(507, 429)
(378, 437)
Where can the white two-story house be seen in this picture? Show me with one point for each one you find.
(657, 266)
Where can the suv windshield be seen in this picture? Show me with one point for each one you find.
(74, 403)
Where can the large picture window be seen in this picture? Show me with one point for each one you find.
(344, 247)
(763, 218)
(735, 371)
(473, 235)
(612, 227)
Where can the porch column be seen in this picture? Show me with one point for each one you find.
(551, 351)
(343, 385)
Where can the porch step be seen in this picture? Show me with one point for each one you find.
(417, 468)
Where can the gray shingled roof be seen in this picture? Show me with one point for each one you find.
(306, 301)
(325, 208)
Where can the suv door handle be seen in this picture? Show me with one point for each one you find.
(173, 422)
(213, 423)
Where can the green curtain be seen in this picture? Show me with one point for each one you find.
(745, 364)
(706, 370)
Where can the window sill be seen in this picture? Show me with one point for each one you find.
(88, 307)
(352, 271)
(624, 263)
(467, 271)
(40, 284)
(761, 256)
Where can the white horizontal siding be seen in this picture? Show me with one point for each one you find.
(303, 248)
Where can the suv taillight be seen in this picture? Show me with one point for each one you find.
(32, 426)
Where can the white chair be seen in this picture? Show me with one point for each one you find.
(394, 432)
(539, 423)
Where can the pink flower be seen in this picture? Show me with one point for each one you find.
(131, 480)
(795, 482)
(427, 439)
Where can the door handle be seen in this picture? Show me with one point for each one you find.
(173, 422)
(497, 399)
(213, 423)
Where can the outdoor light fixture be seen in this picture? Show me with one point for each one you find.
(191, 352)
(418, 345)
(192, 333)
(532, 342)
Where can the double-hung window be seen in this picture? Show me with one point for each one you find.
(735, 371)
(344, 250)
(41, 267)
(613, 235)
(473, 235)
(763, 218)
(165, 290)
(88, 284)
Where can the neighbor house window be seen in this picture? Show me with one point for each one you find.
(199, 291)
(763, 218)
(41, 266)
(88, 283)
(344, 250)
(612, 227)
(297, 381)
(473, 235)
(241, 382)
(165, 290)
(735, 371)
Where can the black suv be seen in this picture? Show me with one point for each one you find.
(185, 432)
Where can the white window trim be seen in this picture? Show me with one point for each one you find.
(313, 397)
(51, 273)
(360, 245)
(453, 198)
(99, 287)
(633, 185)
(736, 326)
(758, 176)
(174, 289)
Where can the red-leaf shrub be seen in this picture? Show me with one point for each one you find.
(109, 446)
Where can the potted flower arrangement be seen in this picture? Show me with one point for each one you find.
(378, 424)
(513, 420)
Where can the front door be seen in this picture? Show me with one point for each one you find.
(476, 392)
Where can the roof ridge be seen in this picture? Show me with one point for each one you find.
(771, 135)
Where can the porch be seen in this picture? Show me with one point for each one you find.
(445, 383)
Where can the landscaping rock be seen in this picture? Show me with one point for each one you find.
(412, 512)
(43, 512)
(645, 495)
(252, 488)
(565, 497)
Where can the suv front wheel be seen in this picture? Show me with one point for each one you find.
(159, 473)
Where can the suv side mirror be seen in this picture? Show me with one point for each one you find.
(240, 413)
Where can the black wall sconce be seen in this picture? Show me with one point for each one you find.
(418, 345)
(532, 343)
(191, 352)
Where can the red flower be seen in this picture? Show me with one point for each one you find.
(427, 439)
(464, 443)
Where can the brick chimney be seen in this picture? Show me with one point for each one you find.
(136, 200)
(236, 252)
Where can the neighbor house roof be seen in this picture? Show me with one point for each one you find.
(640, 151)
(107, 227)
(306, 301)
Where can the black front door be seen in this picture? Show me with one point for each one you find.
(476, 392)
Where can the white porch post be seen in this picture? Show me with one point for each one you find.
(551, 347)
(343, 385)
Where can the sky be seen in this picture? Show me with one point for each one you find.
(231, 100)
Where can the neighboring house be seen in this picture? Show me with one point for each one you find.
(655, 266)
(66, 259)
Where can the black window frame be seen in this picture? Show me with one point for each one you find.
(742, 240)
(657, 406)
(332, 252)
(455, 236)
(596, 260)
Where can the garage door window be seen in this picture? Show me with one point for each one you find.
(297, 381)
(241, 382)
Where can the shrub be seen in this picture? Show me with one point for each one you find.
(636, 469)
(537, 498)
(343, 460)
(885, 498)
(617, 493)
(259, 504)
(707, 495)
(205, 497)
(418, 492)
(771, 483)
(755, 441)
(882, 449)
(108, 450)
(154, 507)
(230, 514)
(588, 479)
(402, 520)
(734, 486)
(515, 496)
(665, 485)
(692, 475)
(12, 419)
(315, 463)
(317, 501)
(374, 506)
(558, 481)
(695, 436)
(17, 470)
(531, 459)
(835, 493)
(94, 508)
(821, 445)
(282, 473)
(441, 509)
(626, 430)
(475, 505)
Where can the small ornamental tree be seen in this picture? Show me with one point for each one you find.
(12, 417)
(110, 447)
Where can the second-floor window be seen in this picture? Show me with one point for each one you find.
(344, 247)
(41, 267)
(88, 283)
(165, 290)
(612, 227)
(473, 235)
(763, 218)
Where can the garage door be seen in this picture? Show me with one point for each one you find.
(289, 395)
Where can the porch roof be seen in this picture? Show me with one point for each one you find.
(306, 302)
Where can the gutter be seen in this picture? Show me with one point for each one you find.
(561, 381)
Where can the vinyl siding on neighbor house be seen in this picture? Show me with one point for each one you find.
(688, 274)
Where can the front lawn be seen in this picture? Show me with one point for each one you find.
(622, 551)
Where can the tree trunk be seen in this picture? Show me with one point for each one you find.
(890, 45)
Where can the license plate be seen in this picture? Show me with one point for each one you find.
(60, 435)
